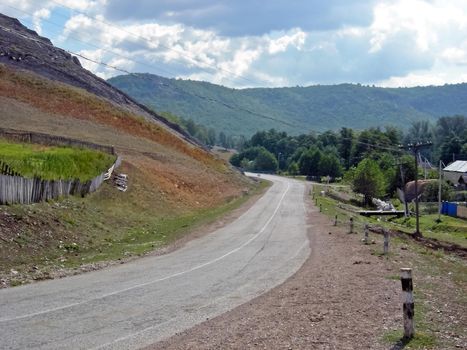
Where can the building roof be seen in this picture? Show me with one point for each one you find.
(459, 166)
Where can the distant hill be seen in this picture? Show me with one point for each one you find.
(293, 109)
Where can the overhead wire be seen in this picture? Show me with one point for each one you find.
(227, 105)
(206, 98)
(201, 65)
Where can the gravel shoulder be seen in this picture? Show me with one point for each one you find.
(341, 298)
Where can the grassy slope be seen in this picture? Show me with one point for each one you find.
(172, 184)
(293, 109)
(450, 230)
(53, 163)
(440, 280)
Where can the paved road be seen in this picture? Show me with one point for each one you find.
(139, 303)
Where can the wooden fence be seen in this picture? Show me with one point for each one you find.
(6, 170)
(51, 140)
(17, 189)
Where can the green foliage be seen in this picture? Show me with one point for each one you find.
(368, 180)
(329, 165)
(293, 169)
(203, 134)
(265, 161)
(294, 109)
(256, 159)
(52, 163)
(431, 191)
(309, 162)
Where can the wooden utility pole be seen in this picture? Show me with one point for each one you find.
(415, 148)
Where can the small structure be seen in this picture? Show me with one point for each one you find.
(456, 172)
(121, 181)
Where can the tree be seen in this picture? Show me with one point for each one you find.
(346, 144)
(368, 180)
(222, 139)
(293, 169)
(211, 137)
(309, 162)
(265, 161)
(451, 137)
(329, 165)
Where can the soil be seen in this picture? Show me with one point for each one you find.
(344, 297)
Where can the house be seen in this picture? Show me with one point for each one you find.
(456, 172)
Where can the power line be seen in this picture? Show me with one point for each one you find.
(227, 105)
(200, 65)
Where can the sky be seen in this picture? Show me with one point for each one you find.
(261, 43)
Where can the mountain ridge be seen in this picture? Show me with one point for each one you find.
(293, 109)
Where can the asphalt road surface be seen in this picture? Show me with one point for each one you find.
(136, 304)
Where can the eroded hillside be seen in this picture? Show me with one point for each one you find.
(174, 184)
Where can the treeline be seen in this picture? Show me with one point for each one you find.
(206, 135)
(355, 155)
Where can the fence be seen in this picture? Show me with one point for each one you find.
(51, 140)
(454, 209)
(17, 189)
(6, 170)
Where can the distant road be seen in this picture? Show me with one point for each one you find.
(136, 304)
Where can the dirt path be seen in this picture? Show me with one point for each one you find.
(341, 298)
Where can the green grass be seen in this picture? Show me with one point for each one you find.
(421, 340)
(154, 233)
(432, 269)
(53, 163)
(450, 230)
(105, 226)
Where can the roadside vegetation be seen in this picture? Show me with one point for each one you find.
(172, 185)
(439, 275)
(75, 234)
(53, 163)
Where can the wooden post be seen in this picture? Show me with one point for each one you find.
(335, 220)
(365, 238)
(386, 241)
(320, 208)
(351, 225)
(408, 302)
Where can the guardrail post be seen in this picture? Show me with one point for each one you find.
(365, 237)
(386, 241)
(408, 306)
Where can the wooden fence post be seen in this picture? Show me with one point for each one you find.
(365, 237)
(408, 302)
(386, 241)
(351, 225)
(335, 220)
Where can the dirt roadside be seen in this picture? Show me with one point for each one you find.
(343, 297)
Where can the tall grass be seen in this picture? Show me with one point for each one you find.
(53, 163)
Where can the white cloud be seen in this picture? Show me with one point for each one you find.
(406, 42)
(38, 16)
(281, 44)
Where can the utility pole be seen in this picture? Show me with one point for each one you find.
(415, 148)
(439, 189)
(406, 206)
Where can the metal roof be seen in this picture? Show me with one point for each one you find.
(459, 166)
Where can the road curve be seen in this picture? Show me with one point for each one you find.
(136, 304)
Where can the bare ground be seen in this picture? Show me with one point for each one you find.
(344, 297)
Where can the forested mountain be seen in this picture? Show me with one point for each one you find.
(293, 109)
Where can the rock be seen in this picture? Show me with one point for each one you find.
(14, 272)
